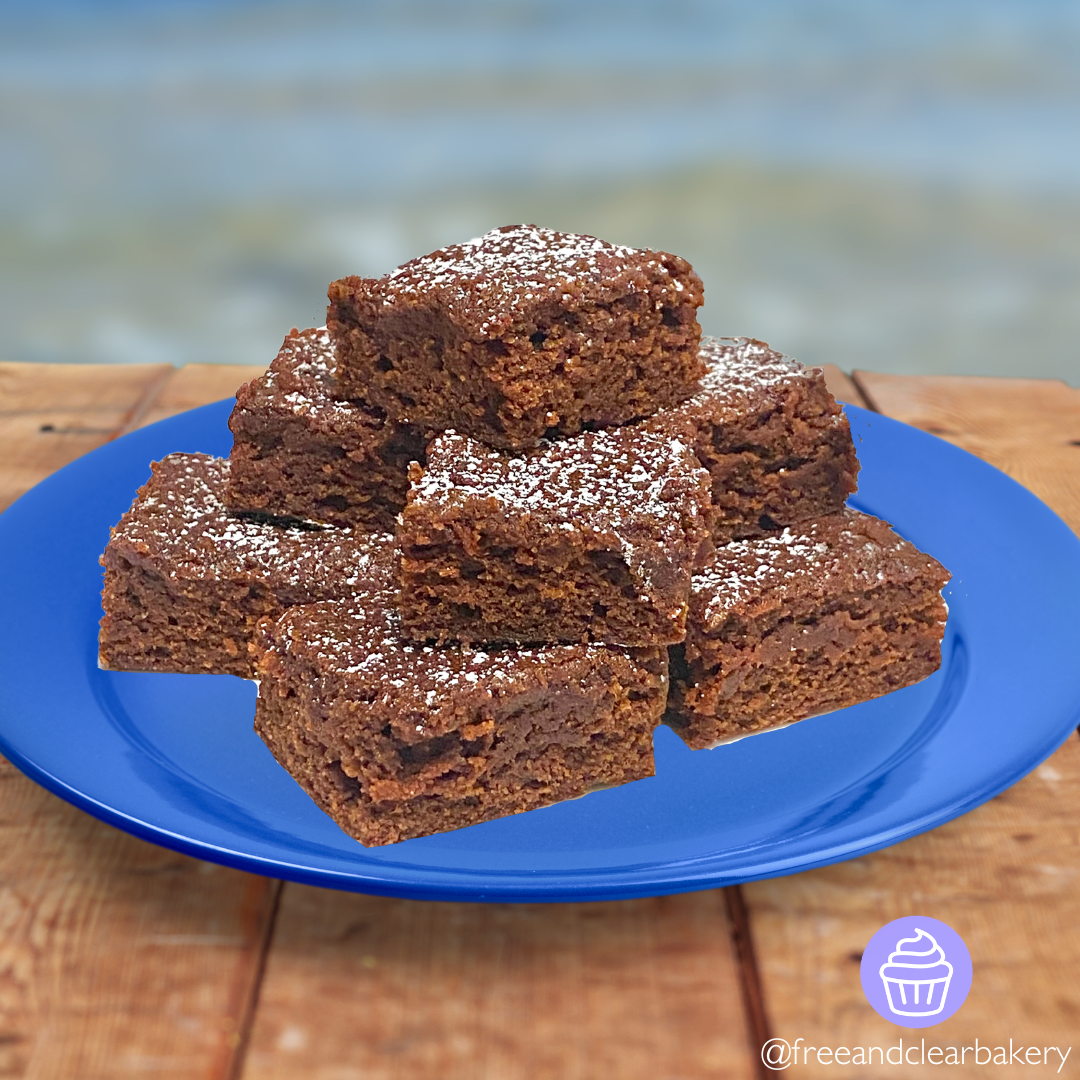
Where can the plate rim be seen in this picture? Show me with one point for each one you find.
(561, 885)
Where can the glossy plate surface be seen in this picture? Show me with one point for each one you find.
(173, 758)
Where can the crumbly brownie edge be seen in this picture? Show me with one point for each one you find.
(752, 497)
(150, 625)
(777, 445)
(800, 659)
(185, 579)
(526, 397)
(479, 583)
(340, 796)
(406, 714)
(313, 476)
(777, 696)
(590, 354)
(300, 452)
(329, 743)
(591, 538)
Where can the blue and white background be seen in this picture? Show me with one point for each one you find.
(884, 184)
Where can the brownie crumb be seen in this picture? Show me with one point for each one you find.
(590, 538)
(521, 334)
(302, 453)
(777, 445)
(186, 581)
(395, 740)
(818, 618)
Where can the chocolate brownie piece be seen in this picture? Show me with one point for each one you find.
(521, 333)
(186, 582)
(820, 617)
(395, 741)
(592, 538)
(301, 452)
(777, 445)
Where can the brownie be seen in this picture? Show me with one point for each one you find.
(301, 452)
(396, 741)
(592, 538)
(519, 334)
(817, 618)
(777, 445)
(186, 582)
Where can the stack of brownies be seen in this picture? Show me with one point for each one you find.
(504, 515)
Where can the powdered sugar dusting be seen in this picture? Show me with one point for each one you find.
(358, 640)
(631, 486)
(741, 376)
(179, 525)
(844, 551)
(743, 366)
(307, 355)
(748, 568)
(301, 380)
(516, 267)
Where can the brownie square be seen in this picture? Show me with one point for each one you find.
(186, 582)
(520, 334)
(777, 445)
(301, 452)
(396, 741)
(820, 617)
(592, 538)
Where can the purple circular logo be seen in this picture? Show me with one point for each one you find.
(916, 971)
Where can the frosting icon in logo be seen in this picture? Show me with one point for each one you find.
(916, 967)
(916, 971)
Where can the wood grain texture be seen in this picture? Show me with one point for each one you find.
(118, 958)
(194, 385)
(1028, 428)
(1006, 877)
(378, 988)
(51, 414)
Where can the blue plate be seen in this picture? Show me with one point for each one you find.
(173, 758)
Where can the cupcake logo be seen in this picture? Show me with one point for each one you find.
(916, 968)
(916, 971)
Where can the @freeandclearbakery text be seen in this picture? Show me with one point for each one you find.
(779, 1054)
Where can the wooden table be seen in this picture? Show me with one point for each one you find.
(121, 959)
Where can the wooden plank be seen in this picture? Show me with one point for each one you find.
(192, 386)
(380, 988)
(467, 990)
(461, 990)
(117, 957)
(1006, 875)
(842, 386)
(51, 414)
(1029, 428)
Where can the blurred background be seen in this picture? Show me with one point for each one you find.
(882, 184)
